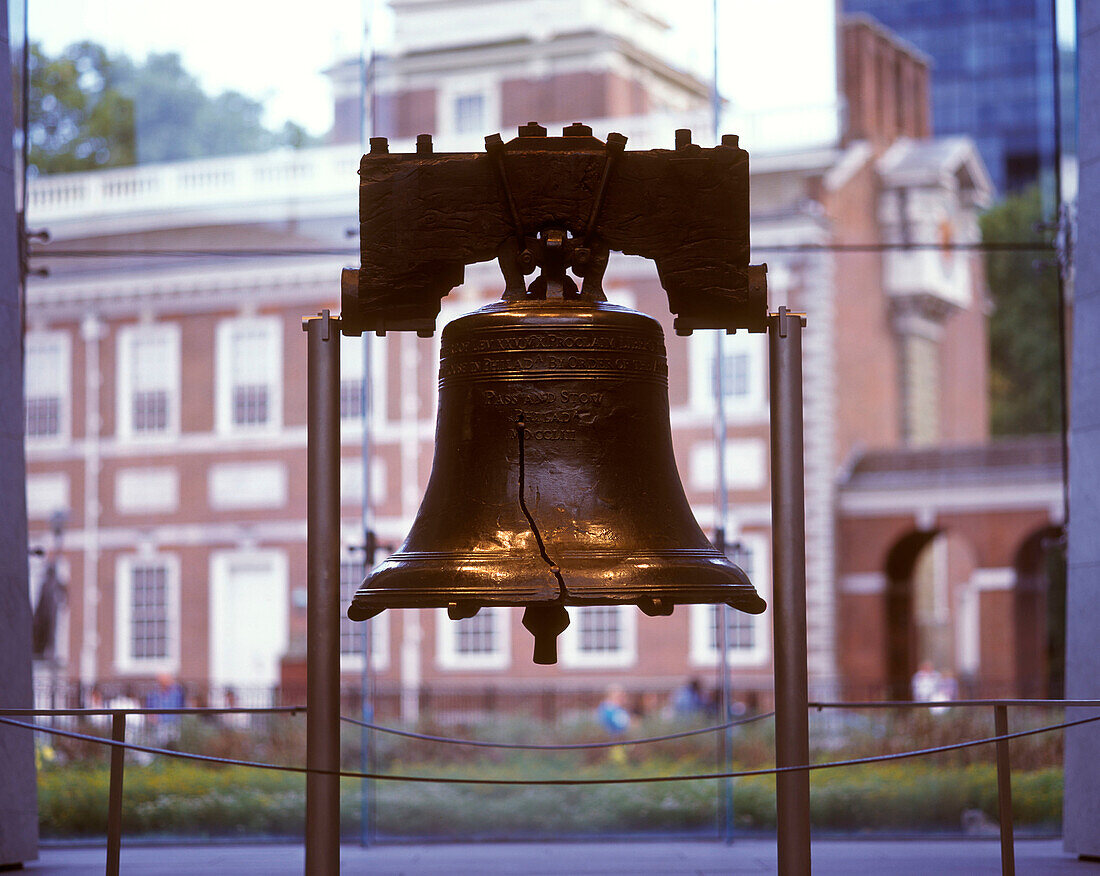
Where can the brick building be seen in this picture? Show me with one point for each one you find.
(166, 400)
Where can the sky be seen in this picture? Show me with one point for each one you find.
(774, 54)
(278, 59)
(253, 47)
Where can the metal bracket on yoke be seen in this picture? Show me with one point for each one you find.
(327, 321)
(783, 313)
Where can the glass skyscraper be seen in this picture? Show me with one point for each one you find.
(992, 76)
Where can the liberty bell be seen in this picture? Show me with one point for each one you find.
(554, 482)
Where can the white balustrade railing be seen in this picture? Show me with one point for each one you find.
(327, 172)
(279, 176)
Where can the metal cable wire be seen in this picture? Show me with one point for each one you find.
(530, 746)
(264, 252)
(632, 780)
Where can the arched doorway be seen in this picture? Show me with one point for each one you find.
(931, 619)
(901, 635)
(1040, 614)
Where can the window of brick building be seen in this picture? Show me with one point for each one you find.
(351, 378)
(47, 386)
(148, 381)
(147, 616)
(47, 493)
(743, 374)
(467, 107)
(240, 485)
(600, 635)
(478, 642)
(746, 634)
(147, 490)
(351, 632)
(250, 365)
(469, 113)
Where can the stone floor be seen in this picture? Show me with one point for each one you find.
(841, 856)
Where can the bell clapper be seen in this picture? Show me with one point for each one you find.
(546, 623)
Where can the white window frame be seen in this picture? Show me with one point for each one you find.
(752, 405)
(125, 662)
(222, 476)
(224, 378)
(47, 493)
(64, 348)
(352, 661)
(351, 369)
(746, 465)
(454, 87)
(466, 103)
(222, 566)
(166, 503)
(447, 655)
(625, 655)
(351, 480)
(702, 652)
(126, 371)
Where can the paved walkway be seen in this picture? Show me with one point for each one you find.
(865, 857)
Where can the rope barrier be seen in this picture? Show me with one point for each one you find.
(633, 780)
(1024, 246)
(530, 746)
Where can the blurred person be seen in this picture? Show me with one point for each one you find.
(615, 719)
(135, 724)
(234, 720)
(200, 700)
(688, 699)
(646, 704)
(926, 682)
(612, 712)
(168, 694)
(96, 701)
(946, 689)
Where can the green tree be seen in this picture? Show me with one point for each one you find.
(89, 109)
(1025, 355)
(79, 118)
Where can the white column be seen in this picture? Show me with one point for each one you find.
(91, 330)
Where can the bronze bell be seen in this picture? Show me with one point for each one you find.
(554, 481)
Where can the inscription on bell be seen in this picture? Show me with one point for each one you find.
(451, 367)
(549, 409)
(553, 434)
(508, 343)
(580, 416)
(538, 397)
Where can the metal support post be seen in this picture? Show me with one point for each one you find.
(114, 795)
(1004, 791)
(323, 586)
(792, 734)
(366, 711)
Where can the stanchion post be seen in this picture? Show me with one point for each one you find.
(323, 599)
(114, 796)
(792, 735)
(1004, 791)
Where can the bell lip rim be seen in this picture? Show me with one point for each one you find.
(367, 607)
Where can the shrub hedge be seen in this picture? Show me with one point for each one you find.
(186, 799)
